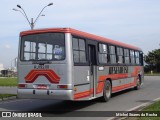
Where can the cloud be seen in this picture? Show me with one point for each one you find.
(7, 46)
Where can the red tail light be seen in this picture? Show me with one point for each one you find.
(62, 86)
(20, 86)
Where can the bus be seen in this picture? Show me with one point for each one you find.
(68, 64)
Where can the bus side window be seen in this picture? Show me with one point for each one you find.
(75, 50)
(126, 56)
(132, 57)
(112, 53)
(120, 55)
(82, 51)
(137, 57)
(102, 55)
(79, 50)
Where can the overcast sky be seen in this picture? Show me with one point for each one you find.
(135, 22)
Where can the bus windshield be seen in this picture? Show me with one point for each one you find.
(43, 46)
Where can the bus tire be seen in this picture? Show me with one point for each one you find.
(107, 90)
(138, 84)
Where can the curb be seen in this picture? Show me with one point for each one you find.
(8, 86)
(137, 108)
(8, 98)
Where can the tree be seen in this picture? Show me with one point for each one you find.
(153, 59)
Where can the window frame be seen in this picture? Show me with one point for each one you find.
(122, 55)
(137, 57)
(127, 55)
(103, 53)
(22, 51)
(132, 57)
(85, 51)
(87, 41)
(110, 54)
(46, 50)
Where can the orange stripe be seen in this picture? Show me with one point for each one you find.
(87, 93)
(100, 89)
(113, 76)
(117, 88)
(82, 94)
(135, 72)
(100, 85)
(49, 74)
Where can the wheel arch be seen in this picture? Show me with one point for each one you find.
(110, 80)
(105, 97)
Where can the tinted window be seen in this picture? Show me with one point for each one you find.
(112, 49)
(132, 56)
(112, 54)
(119, 51)
(126, 56)
(76, 56)
(102, 48)
(79, 50)
(82, 56)
(120, 54)
(113, 58)
(103, 53)
(81, 44)
(44, 46)
(137, 57)
(75, 43)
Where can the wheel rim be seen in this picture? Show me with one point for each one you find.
(108, 90)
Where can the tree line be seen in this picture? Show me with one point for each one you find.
(153, 61)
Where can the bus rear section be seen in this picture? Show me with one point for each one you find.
(44, 66)
(68, 64)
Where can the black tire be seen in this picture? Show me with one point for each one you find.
(138, 85)
(107, 90)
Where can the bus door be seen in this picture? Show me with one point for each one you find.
(93, 67)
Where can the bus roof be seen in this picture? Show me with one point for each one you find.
(80, 34)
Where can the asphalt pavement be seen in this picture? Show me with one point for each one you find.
(122, 101)
(8, 90)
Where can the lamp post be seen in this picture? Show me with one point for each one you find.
(32, 22)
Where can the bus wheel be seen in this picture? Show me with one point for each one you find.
(107, 91)
(138, 84)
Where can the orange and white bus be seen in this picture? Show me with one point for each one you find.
(67, 64)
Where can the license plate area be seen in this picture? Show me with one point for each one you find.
(41, 87)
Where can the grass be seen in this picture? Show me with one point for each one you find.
(153, 107)
(2, 96)
(153, 74)
(8, 81)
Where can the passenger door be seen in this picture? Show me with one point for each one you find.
(93, 67)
